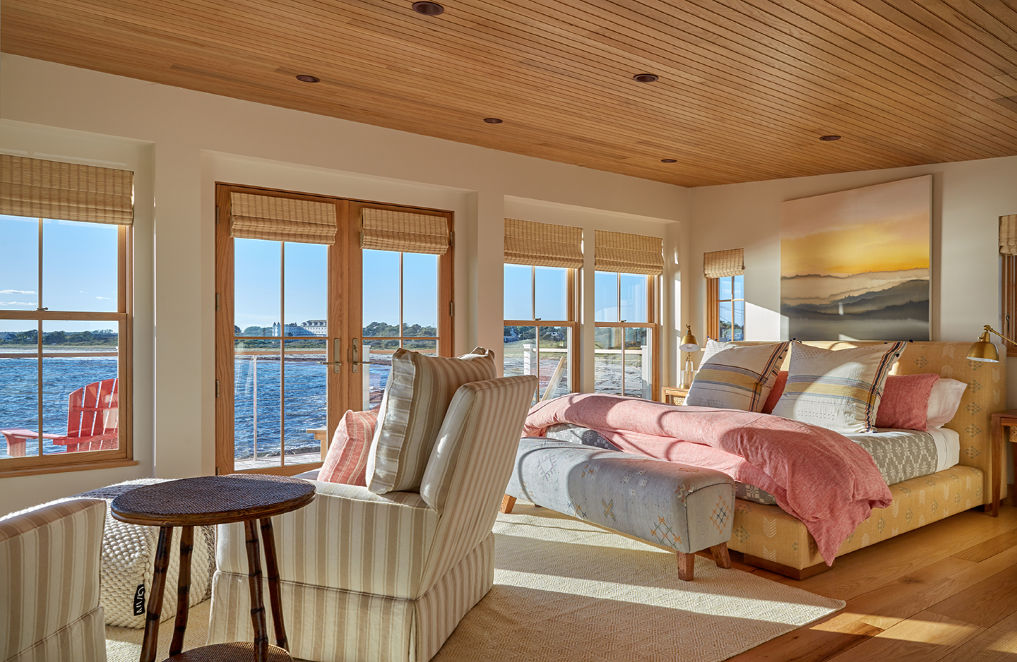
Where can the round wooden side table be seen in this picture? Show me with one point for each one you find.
(208, 500)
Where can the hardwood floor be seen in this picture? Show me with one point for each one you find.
(946, 592)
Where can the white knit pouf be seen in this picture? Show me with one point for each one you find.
(128, 562)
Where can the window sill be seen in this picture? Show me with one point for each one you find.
(77, 466)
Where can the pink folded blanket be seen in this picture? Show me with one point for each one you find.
(825, 480)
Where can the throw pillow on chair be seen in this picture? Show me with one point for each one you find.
(346, 460)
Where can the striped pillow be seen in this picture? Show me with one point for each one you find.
(346, 461)
(416, 398)
(837, 389)
(736, 376)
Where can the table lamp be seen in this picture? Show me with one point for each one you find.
(983, 349)
(688, 345)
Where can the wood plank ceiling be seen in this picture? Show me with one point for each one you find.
(746, 86)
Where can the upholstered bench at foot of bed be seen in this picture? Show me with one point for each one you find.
(684, 508)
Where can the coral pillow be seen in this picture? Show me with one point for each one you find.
(905, 403)
(346, 461)
(775, 392)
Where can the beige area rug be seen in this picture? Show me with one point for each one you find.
(565, 591)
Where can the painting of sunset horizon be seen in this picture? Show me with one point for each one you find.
(855, 265)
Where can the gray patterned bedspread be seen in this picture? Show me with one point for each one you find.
(899, 455)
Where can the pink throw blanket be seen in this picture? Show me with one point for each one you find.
(825, 480)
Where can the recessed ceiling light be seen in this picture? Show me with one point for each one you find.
(307, 78)
(493, 120)
(646, 78)
(428, 8)
(829, 137)
(669, 160)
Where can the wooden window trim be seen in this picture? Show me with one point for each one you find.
(713, 302)
(344, 251)
(572, 308)
(1008, 316)
(124, 316)
(652, 315)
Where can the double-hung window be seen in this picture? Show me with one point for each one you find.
(541, 327)
(65, 315)
(626, 308)
(725, 294)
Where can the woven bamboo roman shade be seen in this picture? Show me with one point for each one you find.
(255, 216)
(719, 264)
(1008, 234)
(628, 253)
(66, 191)
(389, 230)
(543, 244)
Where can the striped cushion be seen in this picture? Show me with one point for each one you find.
(418, 393)
(736, 377)
(837, 389)
(49, 579)
(346, 461)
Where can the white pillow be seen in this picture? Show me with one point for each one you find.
(944, 400)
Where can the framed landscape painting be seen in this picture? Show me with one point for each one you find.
(855, 265)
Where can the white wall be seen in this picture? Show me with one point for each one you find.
(185, 141)
(968, 199)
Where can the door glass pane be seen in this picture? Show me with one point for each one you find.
(19, 266)
(634, 298)
(306, 398)
(19, 387)
(428, 346)
(80, 386)
(306, 286)
(552, 287)
(79, 266)
(374, 376)
(724, 287)
(725, 320)
(257, 267)
(380, 293)
(256, 403)
(607, 360)
(739, 320)
(555, 361)
(518, 302)
(638, 364)
(420, 295)
(605, 297)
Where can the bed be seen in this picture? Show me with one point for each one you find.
(766, 536)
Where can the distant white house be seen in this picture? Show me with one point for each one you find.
(316, 327)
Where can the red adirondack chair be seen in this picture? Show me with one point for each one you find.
(93, 422)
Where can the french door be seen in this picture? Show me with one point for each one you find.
(305, 328)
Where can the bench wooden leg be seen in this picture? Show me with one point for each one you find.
(721, 556)
(686, 566)
(507, 503)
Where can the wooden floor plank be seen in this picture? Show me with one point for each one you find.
(963, 566)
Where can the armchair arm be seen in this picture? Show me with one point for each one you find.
(348, 538)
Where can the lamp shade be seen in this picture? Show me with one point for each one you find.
(689, 342)
(983, 349)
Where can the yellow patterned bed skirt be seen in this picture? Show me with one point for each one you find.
(767, 532)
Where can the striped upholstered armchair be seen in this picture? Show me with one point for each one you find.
(386, 578)
(49, 583)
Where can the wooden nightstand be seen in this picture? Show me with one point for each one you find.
(675, 395)
(1001, 421)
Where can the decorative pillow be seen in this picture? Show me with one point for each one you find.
(418, 393)
(837, 389)
(905, 402)
(734, 376)
(775, 392)
(346, 461)
(944, 401)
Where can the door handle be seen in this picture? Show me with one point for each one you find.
(355, 361)
(337, 351)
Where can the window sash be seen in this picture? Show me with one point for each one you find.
(124, 452)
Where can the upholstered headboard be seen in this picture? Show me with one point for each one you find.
(986, 393)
